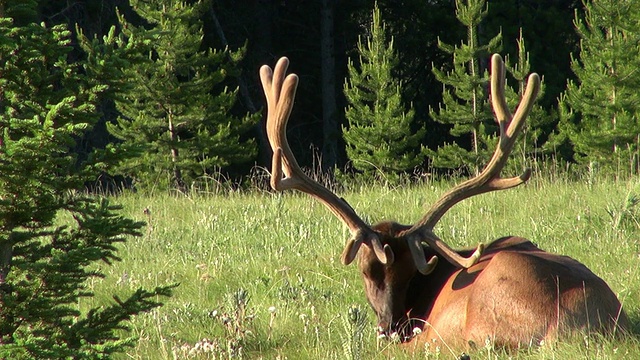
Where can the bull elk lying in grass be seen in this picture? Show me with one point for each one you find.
(508, 292)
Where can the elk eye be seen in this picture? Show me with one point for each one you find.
(374, 271)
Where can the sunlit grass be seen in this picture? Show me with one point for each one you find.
(282, 252)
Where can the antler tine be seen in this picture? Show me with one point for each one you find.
(489, 179)
(280, 93)
(510, 126)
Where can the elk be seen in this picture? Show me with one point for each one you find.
(509, 292)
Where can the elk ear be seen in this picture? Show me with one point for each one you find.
(429, 267)
(350, 251)
(384, 255)
(388, 253)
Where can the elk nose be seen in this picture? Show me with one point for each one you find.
(383, 329)
(386, 331)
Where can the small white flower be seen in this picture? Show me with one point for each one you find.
(416, 331)
(487, 342)
(272, 309)
(395, 336)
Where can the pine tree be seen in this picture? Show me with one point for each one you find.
(601, 108)
(46, 104)
(176, 125)
(381, 136)
(465, 98)
(528, 145)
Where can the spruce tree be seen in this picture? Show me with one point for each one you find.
(381, 136)
(465, 102)
(529, 142)
(52, 237)
(176, 126)
(601, 108)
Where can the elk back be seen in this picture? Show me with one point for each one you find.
(518, 295)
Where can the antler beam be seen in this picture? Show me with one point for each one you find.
(286, 173)
(489, 179)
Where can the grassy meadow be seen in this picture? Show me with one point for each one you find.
(260, 274)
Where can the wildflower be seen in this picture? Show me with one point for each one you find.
(305, 322)
(395, 337)
(123, 279)
(354, 314)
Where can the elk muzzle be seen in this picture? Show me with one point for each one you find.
(401, 330)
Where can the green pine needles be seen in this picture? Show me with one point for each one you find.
(52, 238)
(176, 125)
(382, 138)
(599, 111)
(528, 145)
(465, 97)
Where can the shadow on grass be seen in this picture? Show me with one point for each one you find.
(634, 319)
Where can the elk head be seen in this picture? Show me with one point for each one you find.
(393, 254)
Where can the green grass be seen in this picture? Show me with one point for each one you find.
(260, 274)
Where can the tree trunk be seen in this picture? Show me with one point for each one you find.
(177, 174)
(6, 255)
(7, 322)
(329, 112)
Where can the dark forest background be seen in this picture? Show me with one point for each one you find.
(323, 34)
